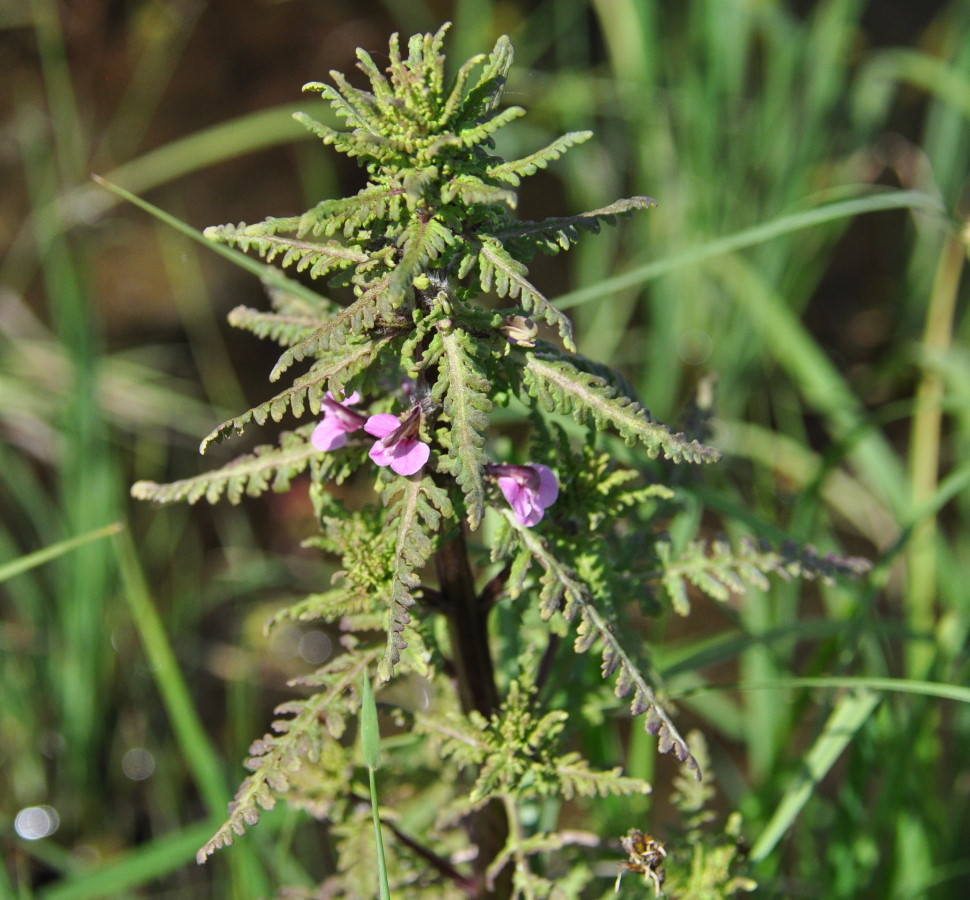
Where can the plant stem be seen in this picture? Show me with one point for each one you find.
(378, 838)
(468, 630)
(924, 454)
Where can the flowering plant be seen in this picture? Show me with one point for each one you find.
(441, 326)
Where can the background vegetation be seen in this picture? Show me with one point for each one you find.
(810, 160)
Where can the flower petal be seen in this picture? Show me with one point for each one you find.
(548, 485)
(382, 424)
(409, 456)
(328, 435)
(529, 490)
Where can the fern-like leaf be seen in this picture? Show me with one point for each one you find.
(469, 189)
(515, 170)
(484, 96)
(356, 144)
(420, 243)
(718, 570)
(497, 266)
(295, 743)
(350, 214)
(332, 372)
(463, 389)
(283, 330)
(482, 131)
(576, 778)
(415, 508)
(266, 468)
(560, 387)
(555, 234)
(562, 591)
(316, 258)
(361, 316)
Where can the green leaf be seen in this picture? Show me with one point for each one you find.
(295, 743)
(464, 390)
(283, 330)
(555, 234)
(415, 508)
(563, 591)
(497, 266)
(515, 170)
(420, 243)
(315, 258)
(360, 316)
(266, 468)
(562, 388)
(330, 373)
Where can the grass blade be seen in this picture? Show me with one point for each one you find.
(39, 557)
(749, 237)
(370, 742)
(850, 714)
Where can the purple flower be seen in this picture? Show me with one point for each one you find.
(529, 489)
(338, 421)
(399, 446)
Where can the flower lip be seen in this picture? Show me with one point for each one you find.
(398, 446)
(529, 489)
(338, 421)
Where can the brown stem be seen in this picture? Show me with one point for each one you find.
(475, 675)
(494, 589)
(442, 866)
(467, 628)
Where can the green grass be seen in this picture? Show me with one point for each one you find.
(808, 259)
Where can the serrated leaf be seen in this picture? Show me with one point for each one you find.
(559, 233)
(421, 242)
(515, 170)
(281, 329)
(332, 372)
(294, 743)
(463, 389)
(468, 190)
(266, 468)
(415, 508)
(359, 317)
(317, 259)
(561, 587)
(562, 388)
(507, 274)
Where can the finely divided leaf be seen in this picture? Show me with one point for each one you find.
(414, 510)
(515, 170)
(562, 388)
(469, 189)
(483, 98)
(317, 258)
(359, 317)
(266, 468)
(283, 330)
(563, 591)
(555, 234)
(463, 389)
(420, 242)
(497, 266)
(295, 743)
(330, 373)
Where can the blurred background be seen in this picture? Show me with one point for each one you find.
(810, 162)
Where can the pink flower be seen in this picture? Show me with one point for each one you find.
(529, 490)
(399, 446)
(338, 421)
